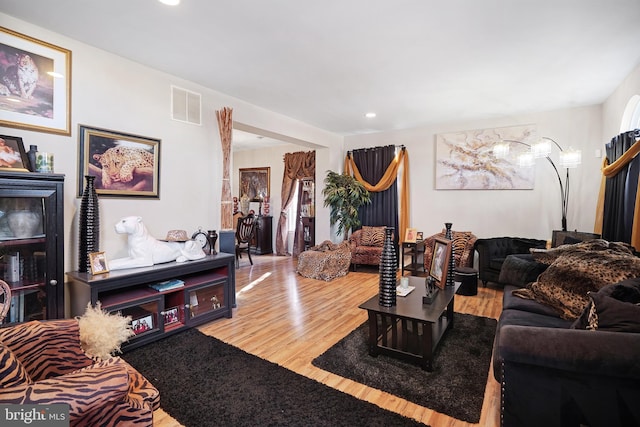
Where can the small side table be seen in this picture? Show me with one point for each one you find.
(416, 252)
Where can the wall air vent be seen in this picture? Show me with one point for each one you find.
(186, 106)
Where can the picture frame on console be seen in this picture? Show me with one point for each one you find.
(139, 174)
(98, 262)
(13, 157)
(142, 324)
(45, 98)
(171, 316)
(440, 261)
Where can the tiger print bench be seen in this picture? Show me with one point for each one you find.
(43, 363)
(325, 261)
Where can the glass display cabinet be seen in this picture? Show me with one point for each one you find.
(308, 212)
(32, 245)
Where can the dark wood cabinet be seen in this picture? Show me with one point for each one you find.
(32, 244)
(207, 293)
(309, 232)
(308, 212)
(261, 243)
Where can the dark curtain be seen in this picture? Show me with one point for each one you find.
(383, 210)
(620, 191)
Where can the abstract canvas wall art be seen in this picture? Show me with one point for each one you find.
(465, 160)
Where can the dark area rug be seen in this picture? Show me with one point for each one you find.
(455, 387)
(205, 382)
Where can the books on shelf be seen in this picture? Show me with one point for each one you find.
(167, 285)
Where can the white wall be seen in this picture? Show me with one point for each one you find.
(613, 108)
(487, 213)
(117, 94)
(114, 93)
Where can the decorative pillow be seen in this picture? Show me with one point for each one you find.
(568, 280)
(612, 315)
(102, 333)
(614, 308)
(12, 372)
(372, 236)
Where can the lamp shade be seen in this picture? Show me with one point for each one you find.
(570, 158)
(501, 150)
(541, 148)
(526, 160)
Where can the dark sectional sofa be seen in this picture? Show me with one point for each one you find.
(492, 253)
(553, 374)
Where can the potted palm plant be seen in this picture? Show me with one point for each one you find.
(344, 195)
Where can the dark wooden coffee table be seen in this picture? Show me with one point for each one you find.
(410, 330)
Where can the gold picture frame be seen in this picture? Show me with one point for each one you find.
(98, 262)
(410, 235)
(44, 103)
(97, 145)
(255, 183)
(13, 157)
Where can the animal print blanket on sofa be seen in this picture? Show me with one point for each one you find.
(574, 270)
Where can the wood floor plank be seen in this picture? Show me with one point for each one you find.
(290, 320)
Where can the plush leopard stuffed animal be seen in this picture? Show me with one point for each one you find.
(118, 164)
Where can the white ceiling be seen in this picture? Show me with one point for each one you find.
(327, 63)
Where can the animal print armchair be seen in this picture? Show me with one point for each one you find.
(463, 250)
(366, 245)
(42, 362)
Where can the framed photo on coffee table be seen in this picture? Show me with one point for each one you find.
(440, 261)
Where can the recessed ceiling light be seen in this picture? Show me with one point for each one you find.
(170, 2)
(370, 115)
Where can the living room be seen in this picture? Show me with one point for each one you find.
(112, 92)
(134, 99)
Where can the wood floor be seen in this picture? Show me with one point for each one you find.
(289, 320)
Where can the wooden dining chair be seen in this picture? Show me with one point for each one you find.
(244, 234)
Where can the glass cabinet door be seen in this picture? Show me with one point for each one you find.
(23, 249)
(203, 300)
(28, 251)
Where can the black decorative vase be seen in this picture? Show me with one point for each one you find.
(89, 225)
(452, 260)
(388, 271)
(213, 238)
(31, 155)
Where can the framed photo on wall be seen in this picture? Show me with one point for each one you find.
(440, 261)
(255, 183)
(124, 165)
(39, 97)
(12, 154)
